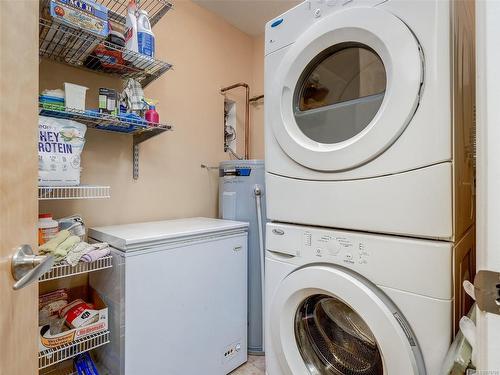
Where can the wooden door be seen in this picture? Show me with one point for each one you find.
(18, 180)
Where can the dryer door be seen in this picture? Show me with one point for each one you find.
(346, 89)
(328, 320)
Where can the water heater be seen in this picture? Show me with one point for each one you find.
(242, 198)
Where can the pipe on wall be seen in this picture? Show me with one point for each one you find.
(247, 114)
(256, 98)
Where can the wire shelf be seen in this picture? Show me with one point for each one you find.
(83, 49)
(50, 357)
(74, 192)
(60, 270)
(117, 9)
(102, 121)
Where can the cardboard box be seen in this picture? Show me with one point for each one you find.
(48, 341)
(81, 14)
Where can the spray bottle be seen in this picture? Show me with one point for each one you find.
(151, 116)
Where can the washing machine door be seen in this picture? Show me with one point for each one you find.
(346, 89)
(328, 320)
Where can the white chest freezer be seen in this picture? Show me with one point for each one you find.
(177, 296)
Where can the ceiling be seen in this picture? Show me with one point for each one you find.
(249, 16)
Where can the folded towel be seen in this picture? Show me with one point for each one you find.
(62, 250)
(96, 254)
(51, 245)
(80, 249)
(77, 251)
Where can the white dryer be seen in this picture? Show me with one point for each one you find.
(369, 116)
(341, 302)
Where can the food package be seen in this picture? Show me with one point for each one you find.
(79, 314)
(53, 307)
(60, 144)
(61, 328)
(48, 298)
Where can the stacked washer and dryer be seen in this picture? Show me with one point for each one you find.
(370, 184)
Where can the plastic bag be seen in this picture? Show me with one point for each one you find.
(60, 144)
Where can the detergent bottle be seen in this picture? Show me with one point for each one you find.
(145, 36)
(131, 23)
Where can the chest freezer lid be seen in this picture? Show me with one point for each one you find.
(129, 237)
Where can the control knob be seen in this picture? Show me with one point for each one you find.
(333, 246)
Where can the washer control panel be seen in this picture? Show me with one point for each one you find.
(344, 248)
(383, 259)
(347, 248)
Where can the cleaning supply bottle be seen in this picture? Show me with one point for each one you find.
(145, 36)
(131, 23)
(151, 116)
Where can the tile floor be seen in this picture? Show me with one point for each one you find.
(255, 366)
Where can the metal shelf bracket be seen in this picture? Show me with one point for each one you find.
(135, 161)
(138, 139)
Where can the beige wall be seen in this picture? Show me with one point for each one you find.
(207, 54)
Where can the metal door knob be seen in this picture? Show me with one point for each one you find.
(27, 267)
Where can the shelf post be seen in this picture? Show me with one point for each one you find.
(138, 139)
(135, 162)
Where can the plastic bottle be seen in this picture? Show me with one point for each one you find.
(152, 116)
(47, 228)
(145, 36)
(131, 23)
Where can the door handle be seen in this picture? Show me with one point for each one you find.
(27, 267)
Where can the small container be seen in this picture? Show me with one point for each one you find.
(108, 101)
(116, 38)
(47, 228)
(74, 224)
(75, 96)
(151, 116)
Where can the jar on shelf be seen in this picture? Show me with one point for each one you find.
(47, 228)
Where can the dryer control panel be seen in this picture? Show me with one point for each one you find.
(286, 28)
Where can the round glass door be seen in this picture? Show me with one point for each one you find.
(344, 91)
(339, 93)
(334, 340)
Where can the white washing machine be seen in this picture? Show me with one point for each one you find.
(341, 302)
(369, 116)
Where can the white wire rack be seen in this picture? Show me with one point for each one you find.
(74, 192)
(60, 270)
(50, 357)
